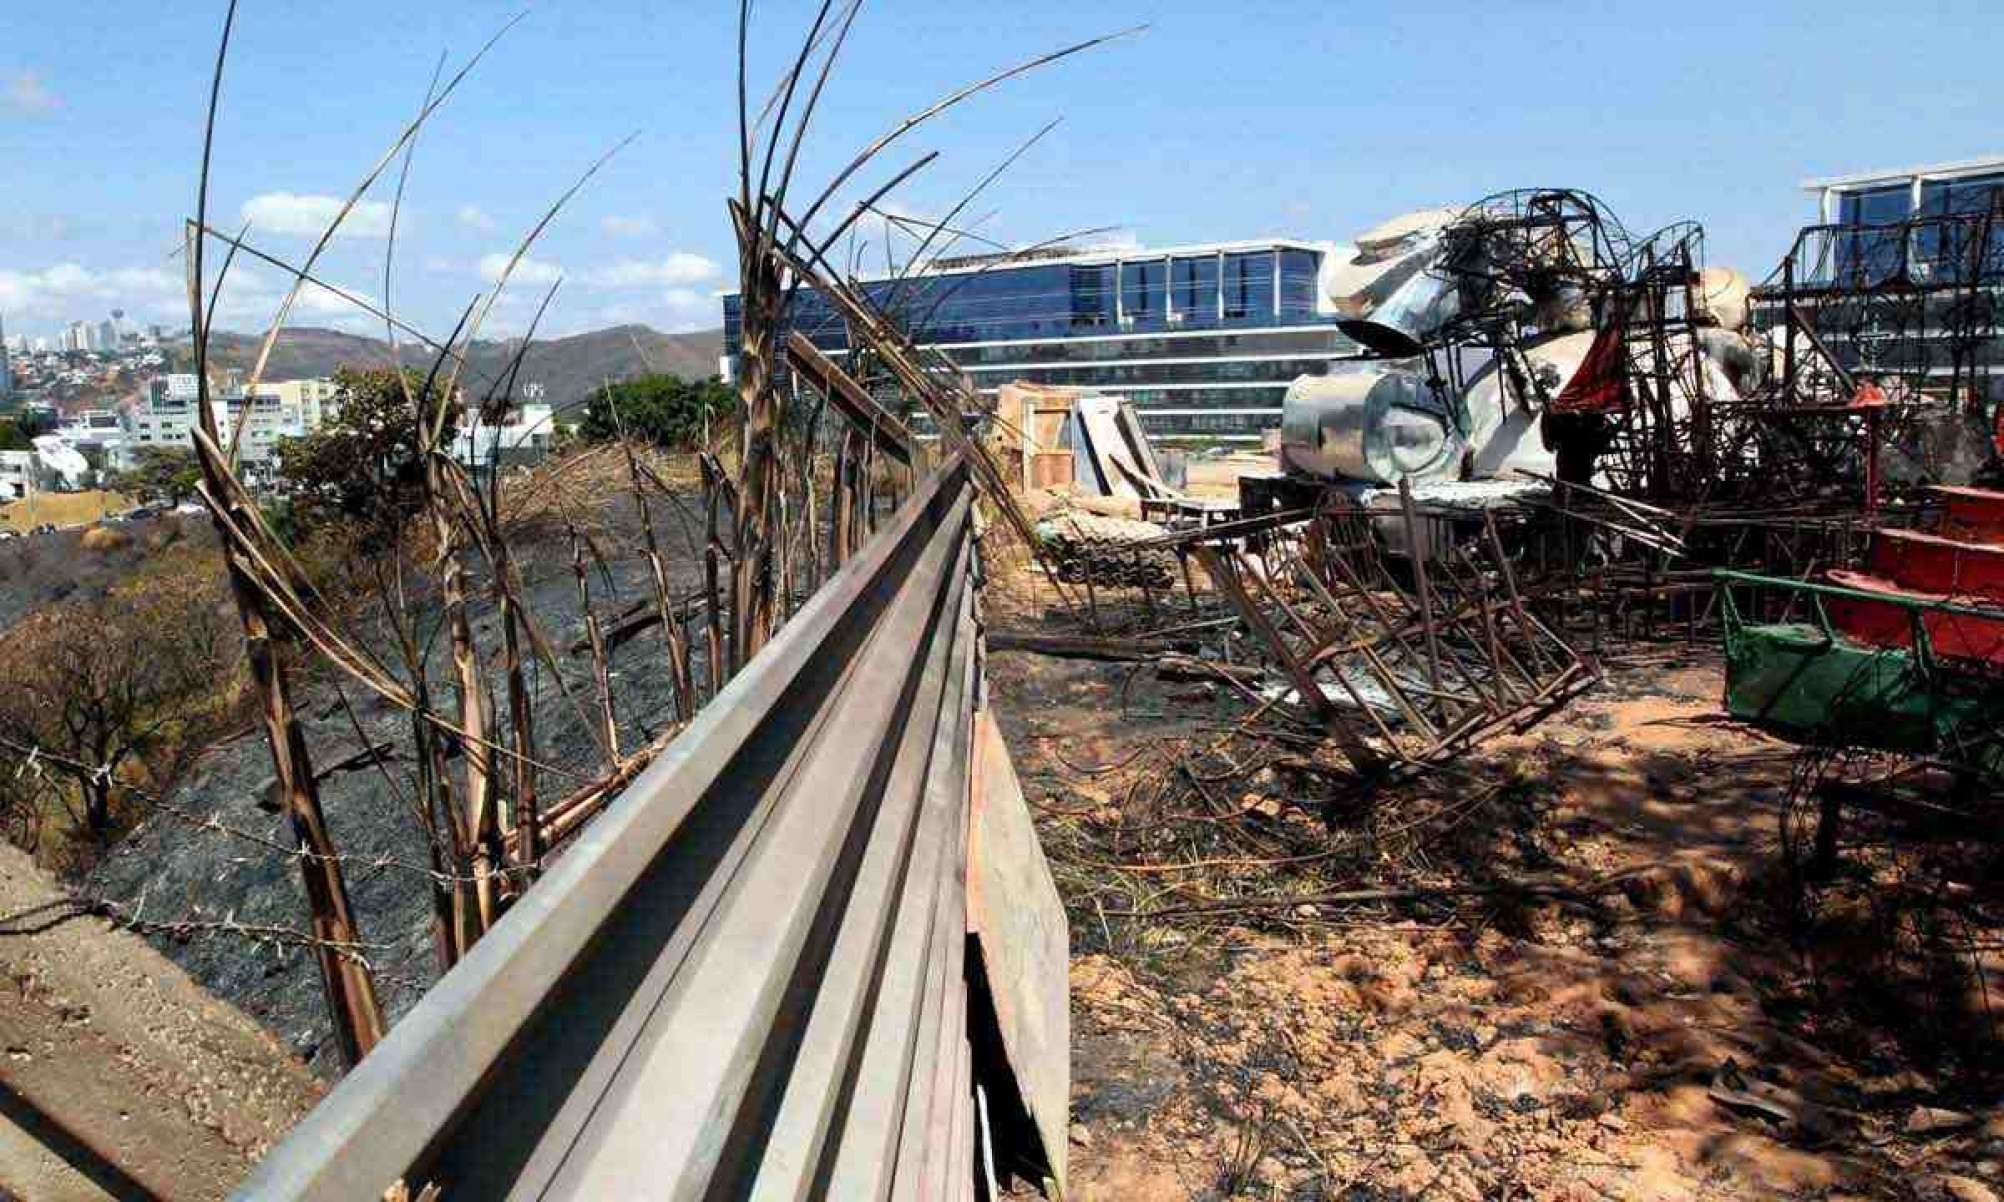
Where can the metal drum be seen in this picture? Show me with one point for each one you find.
(1378, 424)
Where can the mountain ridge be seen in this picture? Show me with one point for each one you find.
(567, 368)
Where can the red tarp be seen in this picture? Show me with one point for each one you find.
(1601, 383)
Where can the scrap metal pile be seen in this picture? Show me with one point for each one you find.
(1529, 332)
(1532, 333)
(1909, 307)
(1408, 661)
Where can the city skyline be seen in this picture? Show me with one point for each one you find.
(1285, 123)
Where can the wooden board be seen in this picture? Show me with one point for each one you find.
(1014, 911)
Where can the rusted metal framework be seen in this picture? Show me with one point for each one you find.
(1910, 309)
(1646, 411)
(1522, 264)
(1915, 303)
(1406, 661)
(1668, 440)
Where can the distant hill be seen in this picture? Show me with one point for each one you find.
(567, 368)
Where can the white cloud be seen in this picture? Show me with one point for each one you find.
(628, 227)
(678, 270)
(26, 93)
(474, 218)
(251, 300)
(309, 216)
(70, 291)
(528, 271)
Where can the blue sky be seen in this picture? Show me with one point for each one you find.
(1223, 120)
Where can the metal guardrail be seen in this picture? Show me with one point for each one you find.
(746, 978)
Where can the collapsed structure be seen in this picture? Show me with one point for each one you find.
(1528, 335)
(1562, 431)
(1531, 334)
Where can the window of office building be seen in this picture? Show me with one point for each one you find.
(983, 306)
(1298, 271)
(1951, 249)
(1194, 287)
(1092, 295)
(1249, 286)
(1940, 197)
(1875, 206)
(1142, 372)
(1326, 341)
(1868, 252)
(1143, 291)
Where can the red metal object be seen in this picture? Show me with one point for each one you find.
(1869, 398)
(1929, 563)
(1963, 564)
(1973, 515)
(1952, 636)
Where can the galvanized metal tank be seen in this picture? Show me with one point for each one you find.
(1375, 423)
(1401, 325)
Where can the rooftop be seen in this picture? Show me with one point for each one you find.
(1046, 257)
(1866, 179)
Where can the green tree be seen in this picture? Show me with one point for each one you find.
(165, 473)
(18, 429)
(362, 466)
(662, 409)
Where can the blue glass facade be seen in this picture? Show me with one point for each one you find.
(1204, 340)
(1881, 234)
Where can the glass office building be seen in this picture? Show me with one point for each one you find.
(1203, 339)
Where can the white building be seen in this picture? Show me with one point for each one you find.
(167, 417)
(101, 434)
(524, 436)
(19, 474)
(286, 409)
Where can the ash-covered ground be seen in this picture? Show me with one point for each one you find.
(177, 867)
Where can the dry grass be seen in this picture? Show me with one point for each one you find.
(104, 538)
(62, 508)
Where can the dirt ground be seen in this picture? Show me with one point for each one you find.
(121, 1077)
(1662, 1020)
(63, 509)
